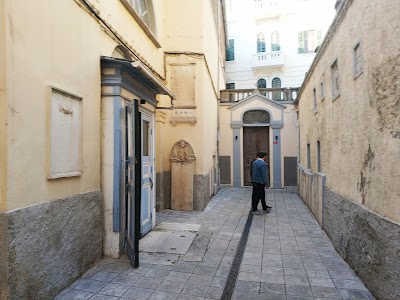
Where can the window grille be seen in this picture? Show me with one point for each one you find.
(256, 117)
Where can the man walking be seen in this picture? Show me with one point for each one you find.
(259, 179)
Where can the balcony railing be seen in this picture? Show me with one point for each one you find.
(276, 94)
(268, 59)
(267, 8)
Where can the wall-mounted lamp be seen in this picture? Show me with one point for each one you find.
(142, 101)
(236, 137)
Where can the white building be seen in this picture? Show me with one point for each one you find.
(272, 43)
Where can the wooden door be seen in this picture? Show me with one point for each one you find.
(255, 139)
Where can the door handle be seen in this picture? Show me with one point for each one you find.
(151, 183)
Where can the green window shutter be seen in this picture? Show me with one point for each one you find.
(301, 42)
(230, 52)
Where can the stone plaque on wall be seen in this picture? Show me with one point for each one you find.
(65, 134)
(183, 84)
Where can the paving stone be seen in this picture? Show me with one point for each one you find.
(214, 293)
(136, 293)
(148, 283)
(324, 282)
(70, 294)
(218, 282)
(272, 288)
(298, 290)
(348, 294)
(251, 286)
(298, 272)
(205, 270)
(318, 273)
(296, 280)
(104, 276)
(156, 273)
(113, 289)
(195, 290)
(325, 292)
(183, 266)
(272, 278)
(348, 284)
(159, 295)
(88, 285)
(125, 279)
(241, 295)
(201, 279)
(178, 276)
(104, 297)
(171, 286)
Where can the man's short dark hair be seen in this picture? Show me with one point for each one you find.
(261, 154)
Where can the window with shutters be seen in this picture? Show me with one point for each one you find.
(276, 95)
(308, 41)
(275, 41)
(335, 80)
(230, 51)
(261, 83)
(357, 60)
(260, 43)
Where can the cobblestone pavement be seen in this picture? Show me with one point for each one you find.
(288, 256)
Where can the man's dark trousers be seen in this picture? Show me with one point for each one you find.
(258, 194)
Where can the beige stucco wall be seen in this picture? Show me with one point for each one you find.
(198, 44)
(289, 134)
(3, 105)
(359, 131)
(66, 57)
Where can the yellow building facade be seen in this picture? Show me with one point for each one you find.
(88, 90)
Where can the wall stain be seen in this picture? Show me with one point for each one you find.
(385, 94)
(365, 174)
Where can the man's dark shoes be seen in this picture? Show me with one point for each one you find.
(269, 207)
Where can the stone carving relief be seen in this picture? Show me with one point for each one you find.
(182, 151)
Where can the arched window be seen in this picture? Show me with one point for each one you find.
(260, 43)
(276, 83)
(256, 117)
(275, 41)
(261, 83)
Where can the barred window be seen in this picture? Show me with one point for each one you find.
(261, 83)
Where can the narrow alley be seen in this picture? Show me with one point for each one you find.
(287, 256)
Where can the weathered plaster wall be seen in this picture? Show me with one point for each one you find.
(63, 239)
(359, 130)
(374, 254)
(4, 255)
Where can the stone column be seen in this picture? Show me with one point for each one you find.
(277, 155)
(182, 173)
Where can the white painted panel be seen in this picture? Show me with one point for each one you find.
(65, 135)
